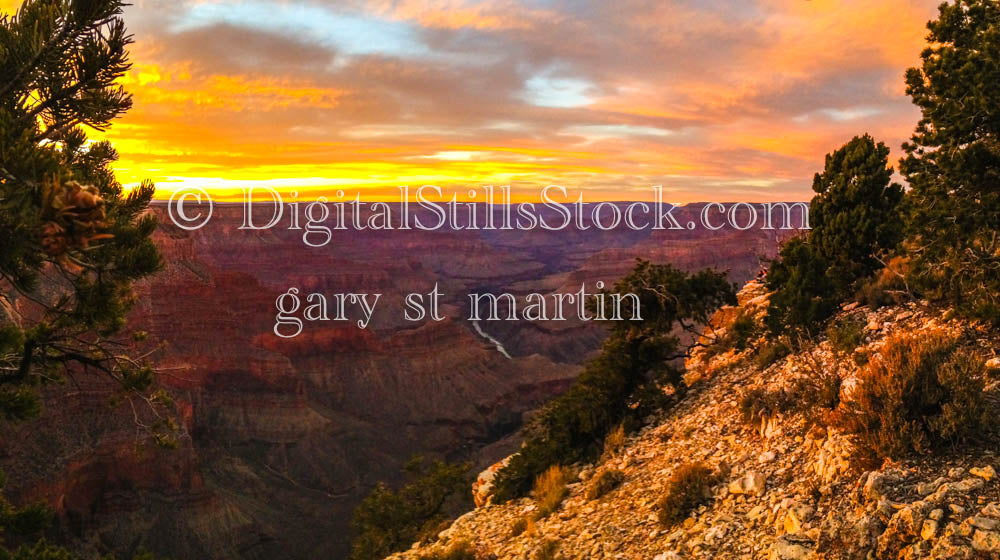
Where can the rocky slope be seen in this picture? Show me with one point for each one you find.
(283, 437)
(788, 490)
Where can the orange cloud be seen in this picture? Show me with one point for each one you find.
(713, 100)
(175, 86)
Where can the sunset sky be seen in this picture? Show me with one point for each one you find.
(714, 100)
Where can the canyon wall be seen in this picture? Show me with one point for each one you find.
(284, 436)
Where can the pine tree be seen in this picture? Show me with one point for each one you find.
(855, 221)
(953, 160)
(803, 293)
(72, 242)
(855, 213)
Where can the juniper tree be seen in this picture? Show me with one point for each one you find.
(952, 161)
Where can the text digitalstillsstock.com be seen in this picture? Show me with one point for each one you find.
(425, 209)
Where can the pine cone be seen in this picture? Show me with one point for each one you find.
(76, 217)
(81, 204)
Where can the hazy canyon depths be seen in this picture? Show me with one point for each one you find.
(285, 436)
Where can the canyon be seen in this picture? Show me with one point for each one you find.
(283, 436)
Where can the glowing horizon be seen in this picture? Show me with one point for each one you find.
(714, 101)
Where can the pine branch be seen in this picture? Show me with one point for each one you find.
(32, 64)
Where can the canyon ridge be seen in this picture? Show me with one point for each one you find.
(282, 437)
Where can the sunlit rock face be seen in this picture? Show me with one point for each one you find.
(783, 484)
(286, 435)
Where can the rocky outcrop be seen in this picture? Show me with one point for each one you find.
(789, 491)
(482, 488)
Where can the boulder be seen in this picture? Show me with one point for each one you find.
(986, 472)
(986, 541)
(482, 488)
(796, 517)
(929, 529)
(790, 548)
(752, 483)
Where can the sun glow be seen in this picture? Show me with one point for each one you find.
(608, 101)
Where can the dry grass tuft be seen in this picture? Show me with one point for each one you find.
(614, 442)
(604, 482)
(550, 489)
(689, 487)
